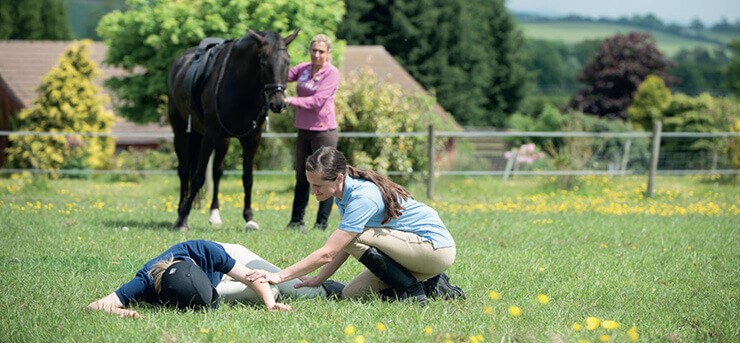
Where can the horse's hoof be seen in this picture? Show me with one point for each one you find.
(215, 218)
(251, 225)
(180, 228)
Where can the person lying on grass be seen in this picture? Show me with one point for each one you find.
(403, 243)
(198, 274)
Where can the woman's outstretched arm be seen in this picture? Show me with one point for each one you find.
(333, 246)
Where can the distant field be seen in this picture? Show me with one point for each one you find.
(574, 32)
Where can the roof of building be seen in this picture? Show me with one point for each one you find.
(23, 64)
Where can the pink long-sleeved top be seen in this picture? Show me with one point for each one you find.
(315, 101)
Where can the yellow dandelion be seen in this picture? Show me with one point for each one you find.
(480, 338)
(473, 339)
(488, 310)
(592, 323)
(610, 324)
(304, 341)
(427, 330)
(605, 338)
(494, 295)
(380, 326)
(543, 299)
(349, 330)
(632, 332)
(515, 311)
(360, 339)
(204, 330)
(577, 327)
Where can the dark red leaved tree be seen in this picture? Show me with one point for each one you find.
(615, 71)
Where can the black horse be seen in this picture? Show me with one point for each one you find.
(248, 75)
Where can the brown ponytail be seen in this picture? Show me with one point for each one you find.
(329, 163)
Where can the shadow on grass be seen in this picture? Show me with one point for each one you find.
(140, 224)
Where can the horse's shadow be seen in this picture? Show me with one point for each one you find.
(147, 224)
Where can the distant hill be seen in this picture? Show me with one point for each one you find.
(670, 39)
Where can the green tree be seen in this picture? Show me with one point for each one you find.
(34, 20)
(700, 70)
(468, 52)
(554, 66)
(650, 99)
(68, 101)
(146, 38)
(732, 73)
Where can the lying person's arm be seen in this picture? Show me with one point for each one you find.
(260, 286)
(111, 304)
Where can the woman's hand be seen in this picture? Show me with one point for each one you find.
(256, 274)
(280, 307)
(309, 281)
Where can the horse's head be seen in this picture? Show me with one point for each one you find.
(274, 65)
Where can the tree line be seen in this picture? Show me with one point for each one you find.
(470, 54)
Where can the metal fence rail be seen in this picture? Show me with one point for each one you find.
(655, 137)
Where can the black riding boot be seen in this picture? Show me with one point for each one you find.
(333, 288)
(394, 275)
(440, 287)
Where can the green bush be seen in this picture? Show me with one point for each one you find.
(702, 113)
(547, 120)
(68, 101)
(367, 104)
(649, 101)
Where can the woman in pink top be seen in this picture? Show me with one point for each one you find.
(316, 121)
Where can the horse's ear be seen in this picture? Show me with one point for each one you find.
(292, 36)
(256, 36)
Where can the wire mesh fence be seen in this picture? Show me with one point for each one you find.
(496, 153)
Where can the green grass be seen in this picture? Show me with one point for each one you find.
(575, 32)
(668, 265)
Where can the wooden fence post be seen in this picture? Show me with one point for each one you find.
(654, 154)
(625, 156)
(430, 181)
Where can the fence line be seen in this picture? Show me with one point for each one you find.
(431, 136)
(451, 134)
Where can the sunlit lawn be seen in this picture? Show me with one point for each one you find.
(535, 261)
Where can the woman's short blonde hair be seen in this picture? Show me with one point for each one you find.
(321, 38)
(157, 271)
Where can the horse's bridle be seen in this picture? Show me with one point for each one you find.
(269, 89)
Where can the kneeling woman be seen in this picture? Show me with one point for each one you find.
(402, 242)
(198, 273)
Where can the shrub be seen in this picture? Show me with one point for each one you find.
(68, 101)
(650, 99)
(367, 104)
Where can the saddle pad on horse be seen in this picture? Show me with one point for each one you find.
(201, 66)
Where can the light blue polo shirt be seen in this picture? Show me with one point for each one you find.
(362, 206)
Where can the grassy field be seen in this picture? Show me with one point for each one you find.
(575, 32)
(667, 266)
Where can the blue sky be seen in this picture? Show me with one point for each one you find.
(669, 11)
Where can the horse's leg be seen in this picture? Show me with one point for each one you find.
(181, 142)
(249, 149)
(222, 146)
(198, 178)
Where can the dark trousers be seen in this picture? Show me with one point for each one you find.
(308, 142)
